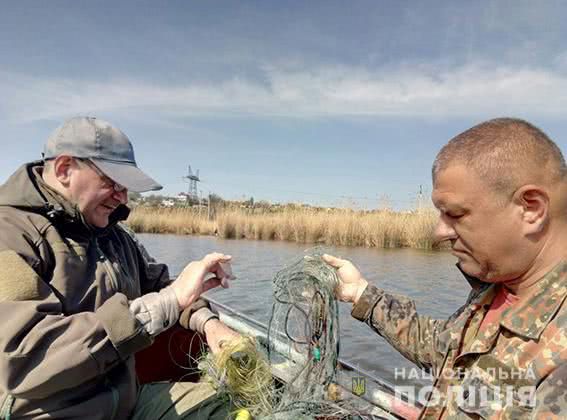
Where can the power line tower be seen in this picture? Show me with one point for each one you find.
(420, 199)
(192, 179)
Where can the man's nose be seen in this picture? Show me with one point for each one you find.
(121, 196)
(443, 231)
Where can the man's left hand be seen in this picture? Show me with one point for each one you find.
(216, 333)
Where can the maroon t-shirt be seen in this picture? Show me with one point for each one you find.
(503, 300)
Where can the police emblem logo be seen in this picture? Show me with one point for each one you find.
(358, 385)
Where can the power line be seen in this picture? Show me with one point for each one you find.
(349, 197)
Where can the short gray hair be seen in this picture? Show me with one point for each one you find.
(506, 153)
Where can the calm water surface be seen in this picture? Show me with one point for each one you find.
(428, 277)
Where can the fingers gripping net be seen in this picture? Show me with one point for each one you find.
(303, 347)
(303, 334)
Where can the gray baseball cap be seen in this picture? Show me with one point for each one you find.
(108, 148)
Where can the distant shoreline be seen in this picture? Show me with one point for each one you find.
(377, 229)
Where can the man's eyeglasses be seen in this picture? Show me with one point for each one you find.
(107, 181)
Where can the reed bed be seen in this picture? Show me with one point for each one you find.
(379, 229)
(180, 221)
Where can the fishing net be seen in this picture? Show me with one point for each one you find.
(302, 349)
(240, 372)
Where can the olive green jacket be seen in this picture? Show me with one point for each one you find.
(516, 369)
(68, 336)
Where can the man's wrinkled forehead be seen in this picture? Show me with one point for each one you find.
(449, 202)
(442, 200)
(454, 187)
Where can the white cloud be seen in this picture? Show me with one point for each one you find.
(473, 90)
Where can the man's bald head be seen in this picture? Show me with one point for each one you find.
(506, 153)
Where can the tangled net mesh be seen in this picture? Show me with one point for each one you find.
(304, 328)
(242, 374)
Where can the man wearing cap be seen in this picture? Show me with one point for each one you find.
(78, 295)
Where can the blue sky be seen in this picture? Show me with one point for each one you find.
(325, 102)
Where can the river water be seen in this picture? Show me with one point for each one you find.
(429, 277)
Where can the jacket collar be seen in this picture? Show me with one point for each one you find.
(530, 317)
(475, 284)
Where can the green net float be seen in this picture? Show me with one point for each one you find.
(317, 354)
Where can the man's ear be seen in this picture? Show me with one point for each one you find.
(62, 167)
(533, 203)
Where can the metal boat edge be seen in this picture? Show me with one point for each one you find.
(378, 398)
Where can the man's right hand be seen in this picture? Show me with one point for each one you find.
(351, 283)
(192, 281)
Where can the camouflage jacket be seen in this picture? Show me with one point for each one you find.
(512, 370)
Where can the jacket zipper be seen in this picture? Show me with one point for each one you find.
(109, 268)
(115, 286)
(130, 287)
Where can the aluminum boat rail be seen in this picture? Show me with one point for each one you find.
(379, 397)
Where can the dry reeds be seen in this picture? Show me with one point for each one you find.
(181, 221)
(378, 229)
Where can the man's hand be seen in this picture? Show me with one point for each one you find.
(351, 284)
(192, 281)
(216, 333)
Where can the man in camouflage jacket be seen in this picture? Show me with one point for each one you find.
(501, 191)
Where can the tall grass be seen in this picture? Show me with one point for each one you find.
(383, 229)
(181, 221)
